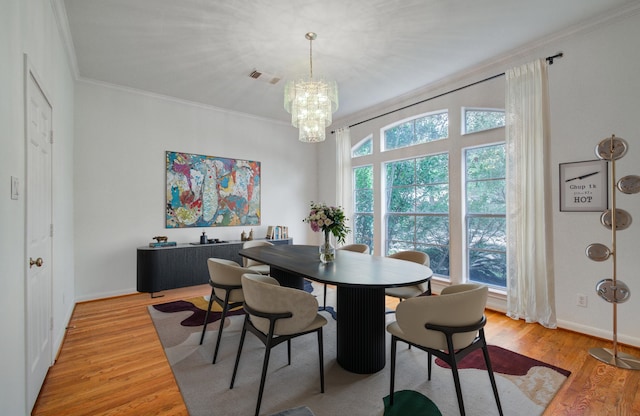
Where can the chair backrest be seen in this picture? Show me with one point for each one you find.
(226, 272)
(358, 248)
(416, 257)
(253, 243)
(264, 294)
(412, 255)
(457, 305)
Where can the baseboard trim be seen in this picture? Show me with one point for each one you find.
(604, 335)
(62, 333)
(105, 295)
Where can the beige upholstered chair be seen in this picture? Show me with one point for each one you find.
(226, 291)
(357, 248)
(406, 292)
(255, 266)
(276, 314)
(448, 326)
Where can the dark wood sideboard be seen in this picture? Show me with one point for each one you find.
(163, 268)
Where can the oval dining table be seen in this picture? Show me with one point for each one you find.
(360, 280)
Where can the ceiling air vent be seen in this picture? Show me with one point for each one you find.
(263, 76)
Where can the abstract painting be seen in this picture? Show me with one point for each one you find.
(209, 191)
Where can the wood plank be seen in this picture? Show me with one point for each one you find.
(112, 363)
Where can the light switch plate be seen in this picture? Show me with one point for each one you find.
(15, 185)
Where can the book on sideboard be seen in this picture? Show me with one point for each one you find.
(163, 244)
(277, 232)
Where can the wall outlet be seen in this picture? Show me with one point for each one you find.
(581, 300)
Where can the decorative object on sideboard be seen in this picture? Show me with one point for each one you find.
(162, 241)
(204, 239)
(613, 290)
(246, 237)
(311, 102)
(277, 232)
(210, 191)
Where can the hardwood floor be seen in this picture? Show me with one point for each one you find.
(112, 363)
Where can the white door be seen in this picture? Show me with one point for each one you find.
(38, 235)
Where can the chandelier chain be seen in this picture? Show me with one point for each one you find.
(310, 58)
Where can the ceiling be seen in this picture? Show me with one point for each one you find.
(204, 50)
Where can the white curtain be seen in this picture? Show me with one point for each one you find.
(344, 187)
(530, 286)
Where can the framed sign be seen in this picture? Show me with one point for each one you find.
(583, 186)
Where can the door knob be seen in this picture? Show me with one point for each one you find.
(38, 262)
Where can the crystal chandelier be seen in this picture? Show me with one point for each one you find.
(311, 103)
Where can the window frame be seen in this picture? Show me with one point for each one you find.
(358, 145)
(356, 213)
(387, 127)
(386, 214)
(466, 216)
(492, 98)
(463, 119)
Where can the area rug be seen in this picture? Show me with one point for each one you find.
(526, 386)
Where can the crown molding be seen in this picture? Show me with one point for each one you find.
(168, 98)
(60, 14)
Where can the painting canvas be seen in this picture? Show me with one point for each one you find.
(209, 191)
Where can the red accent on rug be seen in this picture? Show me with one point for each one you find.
(503, 361)
(197, 318)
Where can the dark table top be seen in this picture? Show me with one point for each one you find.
(348, 268)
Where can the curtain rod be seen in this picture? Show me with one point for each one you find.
(548, 59)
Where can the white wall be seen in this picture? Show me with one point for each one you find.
(594, 92)
(122, 136)
(30, 27)
(12, 361)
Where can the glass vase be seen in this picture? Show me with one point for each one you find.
(326, 249)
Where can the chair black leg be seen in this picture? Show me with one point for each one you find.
(263, 379)
(235, 367)
(485, 352)
(429, 357)
(321, 356)
(206, 317)
(225, 308)
(394, 340)
(456, 381)
(288, 352)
